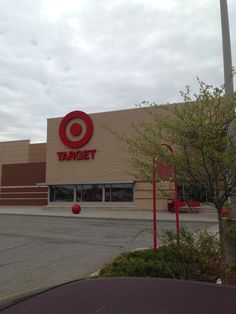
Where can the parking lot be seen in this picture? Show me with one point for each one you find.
(38, 252)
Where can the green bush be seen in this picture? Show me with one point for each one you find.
(198, 257)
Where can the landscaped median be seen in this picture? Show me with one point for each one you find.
(197, 257)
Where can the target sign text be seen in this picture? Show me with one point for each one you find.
(76, 155)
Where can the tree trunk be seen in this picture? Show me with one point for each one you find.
(221, 232)
(223, 245)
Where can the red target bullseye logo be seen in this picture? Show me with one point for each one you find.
(76, 129)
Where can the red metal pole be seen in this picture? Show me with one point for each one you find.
(176, 196)
(177, 211)
(154, 207)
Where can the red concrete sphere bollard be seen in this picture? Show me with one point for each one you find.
(76, 209)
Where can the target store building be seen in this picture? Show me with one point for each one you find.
(82, 162)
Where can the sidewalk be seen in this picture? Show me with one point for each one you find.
(108, 214)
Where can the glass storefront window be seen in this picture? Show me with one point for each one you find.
(122, 192)
(116, 192)
(62, 193)
(119, 192)
(92, 193)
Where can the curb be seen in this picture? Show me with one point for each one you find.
(79, 217)
(112, 218)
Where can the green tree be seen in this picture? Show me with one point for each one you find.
(203, 148)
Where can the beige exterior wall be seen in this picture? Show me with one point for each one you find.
(37, 152)
(110, 164)
(13, 152)
(143, 194)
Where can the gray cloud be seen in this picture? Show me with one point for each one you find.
(102, 55)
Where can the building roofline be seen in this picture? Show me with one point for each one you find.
(125, 110)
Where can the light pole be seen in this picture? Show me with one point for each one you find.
(154, 197)
(228, 76)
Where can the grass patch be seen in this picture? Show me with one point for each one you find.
(197, 258)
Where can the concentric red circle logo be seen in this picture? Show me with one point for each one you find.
(76, 129)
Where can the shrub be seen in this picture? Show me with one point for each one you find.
(198, 257)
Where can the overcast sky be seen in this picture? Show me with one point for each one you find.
(101, 55)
